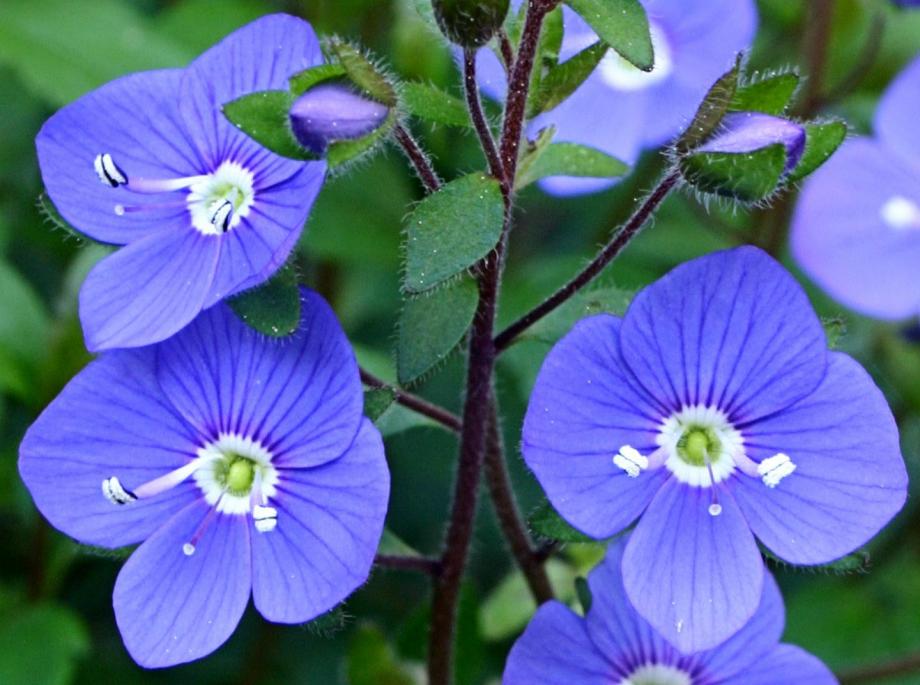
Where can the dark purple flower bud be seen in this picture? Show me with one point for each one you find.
(750, 131)
(331, 112)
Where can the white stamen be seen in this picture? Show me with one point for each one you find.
(208, 477)
(265, 518)
(188, 549)
(719, 466)
(108, 172)
(631, 461)
(775, 468)
(715, 509)
(230, 184)
(901, 213)
(221, 216)
(115, 493)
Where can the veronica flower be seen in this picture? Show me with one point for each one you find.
(614, 645)
(149, 162)
(710, 414)
(243, 465)
(856, 228)
(622, 110)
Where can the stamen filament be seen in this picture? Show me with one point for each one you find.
(168, 481)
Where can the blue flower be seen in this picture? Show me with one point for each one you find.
(710, 414)
(622, 110)
(242, 464)
(614, 645)
(856, 228)
(149, 162)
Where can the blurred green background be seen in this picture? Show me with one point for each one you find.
(56, 622)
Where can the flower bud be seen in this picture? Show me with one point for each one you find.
(330, 112)
(470, 23)
(742, 132)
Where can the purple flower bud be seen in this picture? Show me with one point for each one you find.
(750, 131)
(331, 112)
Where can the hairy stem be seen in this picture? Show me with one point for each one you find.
(419, 159)
(509, 517)
(422, 564)
(474, 104)
(507, 50)
(872, 674)
(413, 402)
(480, 367)
(619, 241)
(817, 40)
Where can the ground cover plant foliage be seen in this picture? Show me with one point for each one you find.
(459, 341)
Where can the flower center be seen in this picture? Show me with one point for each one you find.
(657, 675)
(234, 473)
(216, 202)
(621, 75)
(900, 213)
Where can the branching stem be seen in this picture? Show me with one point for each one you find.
(414, 402)
(418, 158)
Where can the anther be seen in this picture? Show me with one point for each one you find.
(774, 469)
(631, 461)
(115, 493)
(188, 549)
(108, 172)
(265, 518)
(222, 215)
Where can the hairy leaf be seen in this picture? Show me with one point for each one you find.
(623, 25)
(561, 80)
(711, 111)
(771, 95)
(433, 104)
(272, 308)
(362, 72)
(570, 159)
(821, 141)
(264, 117)
(748, 176)
(304, 80)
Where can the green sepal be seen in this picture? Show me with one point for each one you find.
(711, 111)
(583, 592)
(548, 524)
(362, 72)
(377, 401)
(431, 326)
(623, 25)
(451, 230)
(821, 141)
(341, 152)
(748, 176)
(856, 562)
(265, 117)
(272, 308)
(304, 80)
(770, 95)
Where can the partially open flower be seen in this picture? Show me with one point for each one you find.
(331, 112)
(751, 131)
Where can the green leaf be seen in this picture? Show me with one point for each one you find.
(452, 229)
(508, 608)
(40, 645)
(749, 176)
(371, 660)
(25, 330)
(821, 141)
(431, 326)
(623, 25)
(570, 159)
(272, 308)
(583, 590)
(711, 111)
(771, 95)
(362, 72)
(195, 25)
(264, 117)
(392, 544)
(377, 401)
(547, 523)
(62, 52)
(564, 79)
(343, 151)
(858, 562)
(605, 299)
(433, 104)
(304, 80)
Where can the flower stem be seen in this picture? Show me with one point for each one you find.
(414, 402)
(480, 368)
(619, 241)
(422, 564)
(419, 159)
(509, 517)
(474, 104)
(872, 674)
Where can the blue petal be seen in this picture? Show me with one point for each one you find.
(299, 396)
(732, 330)
(136, 120)
(556, 650)
(850, 478)
(148, 290)
(696, 578)
(896, 116)
(110, 420)
(841, 239)
(172, 608)
(786, 664)
(330, 519)
(584, 407)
